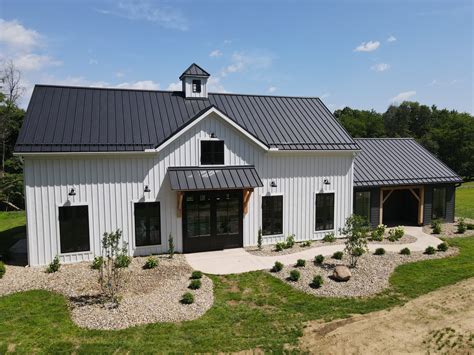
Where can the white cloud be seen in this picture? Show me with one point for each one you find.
(325, 95)
(119, 74)
(140, 85)
(31, 61)
(403, 96)
(164, 16)
(177, 86)
(380, 67)
(272, 89)
(367, 46)
(14, 34)
(215, 53)
(433, 82)
(227, 41)
(391, 38)
(93, 61)
(214, 85)
(241, 61)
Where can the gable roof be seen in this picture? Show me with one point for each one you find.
(195, 70)
(398, 161)
(83, 119)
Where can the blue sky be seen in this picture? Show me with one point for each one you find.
(362, 54)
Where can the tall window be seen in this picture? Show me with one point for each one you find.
(324, 211)
(439, 203)
(197, 86)
(74, 229)
(212, 152)
(147, 224)
(198, 210)
(272, 215)
(362, 204)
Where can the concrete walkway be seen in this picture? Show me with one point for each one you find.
(234, 261)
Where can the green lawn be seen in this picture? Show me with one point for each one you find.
(465, 200)
(12, 228)
(252, 310)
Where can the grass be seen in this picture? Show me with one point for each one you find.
(465, 200)
(12, 229)
(251, 310)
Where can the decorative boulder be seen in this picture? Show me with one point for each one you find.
(341, 273)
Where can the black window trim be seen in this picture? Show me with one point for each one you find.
(198, 84)
(58, 228)
(282, 214)
(445, 201)
(333, 229)
(370, 203)
(135, 246)
(209, 139)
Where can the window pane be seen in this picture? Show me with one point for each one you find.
(212, 152)
(196, 85)
(74, 229)
(272, 215)
(324, 211)
(362, 204)
(227, 214)
(198, 215)
(147, 223)
(439, 203)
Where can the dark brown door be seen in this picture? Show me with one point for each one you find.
(212, 220)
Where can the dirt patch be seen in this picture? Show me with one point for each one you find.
(439, 322)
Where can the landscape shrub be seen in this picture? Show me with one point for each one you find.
(462, 227)
(305, 244)
(338, 255)
(300, 263)
(443, 246)
(277, 267)
(170, 246)
(259, 238)
(405, 251)
(436, 226)
(151, 263)
(187, 298)
(196, 274)
(329, 238)
(280, 246)
(195, 284)
(355, 230)
(2, 269)
(470, 226)
(378, 233)
(396, 233)
(295, 275)
(97, 263)
(318, 259)
(290, 241)
(379, 251)
(317, 281)
(123, 261)
(54, 265)
(430, 251)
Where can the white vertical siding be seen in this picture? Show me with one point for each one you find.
(110, 184)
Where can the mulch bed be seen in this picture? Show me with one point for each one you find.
(450, 230)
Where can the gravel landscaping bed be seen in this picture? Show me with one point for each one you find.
(369, 277)
(449, 230)
(148, 296)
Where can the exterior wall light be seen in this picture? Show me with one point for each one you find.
(326, 182)
(147, 189)
(213, 135)
(72, 192)
(273, 184)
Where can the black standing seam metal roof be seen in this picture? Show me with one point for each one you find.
(195, 70)
(213, 178)
(398, 161)
(83, 119)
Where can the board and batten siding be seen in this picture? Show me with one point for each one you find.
(110, 183)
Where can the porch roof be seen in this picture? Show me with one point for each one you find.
(213, 178)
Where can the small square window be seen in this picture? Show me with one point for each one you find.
(197, 86)
(212, 152)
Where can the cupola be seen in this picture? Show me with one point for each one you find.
(194, 80)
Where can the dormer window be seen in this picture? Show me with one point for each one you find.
(197, 86)
(212, 152)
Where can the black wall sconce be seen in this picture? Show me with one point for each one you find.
(213, 135)
(273, 184)
(147, 189)
(326, 182)
(72, 192)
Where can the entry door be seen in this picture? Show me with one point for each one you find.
(212, 220)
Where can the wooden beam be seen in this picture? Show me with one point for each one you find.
(388, 195)
(421, 205)
(381, 207)
(247, 194)
(414, 194)
(180, 203)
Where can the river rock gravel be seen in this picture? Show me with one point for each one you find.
(148, 296)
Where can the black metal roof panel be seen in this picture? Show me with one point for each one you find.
(82, 119)
(195, 70)
(398, 161)
(215, 178)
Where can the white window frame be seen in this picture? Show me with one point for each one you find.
(314, 212)
(283, 219)
(142, 247)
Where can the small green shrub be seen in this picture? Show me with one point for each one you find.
(170, 246)
(430, 251)
(318, 259)
(151, 263)
(379, 251)
(306, 244)
(396, 233)
(436, 226)
(462, 227)
(54, 265)
(317, 281)
(295, 275)
(443, 246)
(123, 261)
(196, 275)
(358, 252)
(277, 267)
(97, 263)
(300, 263)
(195, 284)
(187, 298)
(290, 241)
(259, 238)
(378, 233)
(280, 246)
(405, 251)
(338, 255)
(470, 226)
(2, 269)
(329, 238)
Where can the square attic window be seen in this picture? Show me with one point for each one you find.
(197, 86)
